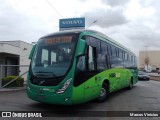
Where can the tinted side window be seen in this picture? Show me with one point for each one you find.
(91, 62)
(94, 42)
(113, 51)
(102, 58)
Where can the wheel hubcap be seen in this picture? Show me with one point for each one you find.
(103, 92)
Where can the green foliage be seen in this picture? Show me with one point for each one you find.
(17, 83)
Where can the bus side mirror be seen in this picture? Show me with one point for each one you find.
(81, 49)
(32, 51)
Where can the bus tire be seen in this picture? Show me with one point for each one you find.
(104, 93)
(130, 85)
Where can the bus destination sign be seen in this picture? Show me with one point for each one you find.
(57, 40)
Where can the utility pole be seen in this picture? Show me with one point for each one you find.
(146, 59)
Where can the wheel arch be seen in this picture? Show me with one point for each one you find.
(106, 82)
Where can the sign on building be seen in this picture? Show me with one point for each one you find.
(71, 23)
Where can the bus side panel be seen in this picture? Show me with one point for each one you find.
(92, 88)
(118, 78)
(87, 91)
(78, 94)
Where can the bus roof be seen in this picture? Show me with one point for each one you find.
(90, 32)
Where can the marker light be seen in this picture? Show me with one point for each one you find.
(64, 87)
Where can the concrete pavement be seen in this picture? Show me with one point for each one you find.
(12, 89)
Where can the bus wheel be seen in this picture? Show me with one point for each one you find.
(130, 84)
(104, 93)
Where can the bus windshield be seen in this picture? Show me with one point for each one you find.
(53, 55)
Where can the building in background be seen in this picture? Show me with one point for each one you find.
(14, 53)
(149, 60)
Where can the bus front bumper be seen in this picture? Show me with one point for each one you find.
(61, 99)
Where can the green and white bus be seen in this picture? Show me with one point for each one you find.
(76, 66)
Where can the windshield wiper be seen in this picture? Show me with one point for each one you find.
(41, 82)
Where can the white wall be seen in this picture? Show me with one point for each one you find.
(8, 48)
(25, 49)
(20, 48)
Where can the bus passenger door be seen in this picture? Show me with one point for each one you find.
(91, 85)
(85, 74)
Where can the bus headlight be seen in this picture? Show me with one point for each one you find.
(64, 87)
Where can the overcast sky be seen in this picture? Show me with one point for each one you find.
(133, 23)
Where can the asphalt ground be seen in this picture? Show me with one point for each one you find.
(145, 96)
